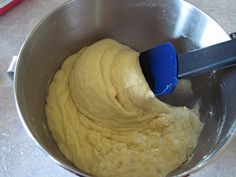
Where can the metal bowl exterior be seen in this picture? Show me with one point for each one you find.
(139, 24)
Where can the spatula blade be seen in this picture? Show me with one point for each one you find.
(160, 68)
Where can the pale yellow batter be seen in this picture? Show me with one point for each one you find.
(106, 120)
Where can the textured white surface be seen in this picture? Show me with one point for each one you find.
(19, 155)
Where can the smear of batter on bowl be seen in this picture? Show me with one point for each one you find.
(107, 121)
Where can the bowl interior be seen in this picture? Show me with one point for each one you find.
(140, 25)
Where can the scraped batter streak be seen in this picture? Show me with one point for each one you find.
(107, 121)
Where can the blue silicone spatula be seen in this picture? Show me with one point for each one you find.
(162, 67)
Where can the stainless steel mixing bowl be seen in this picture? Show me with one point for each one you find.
(139, 24)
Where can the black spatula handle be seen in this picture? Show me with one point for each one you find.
(200, 61)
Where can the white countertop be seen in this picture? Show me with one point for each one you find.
(19, 155)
